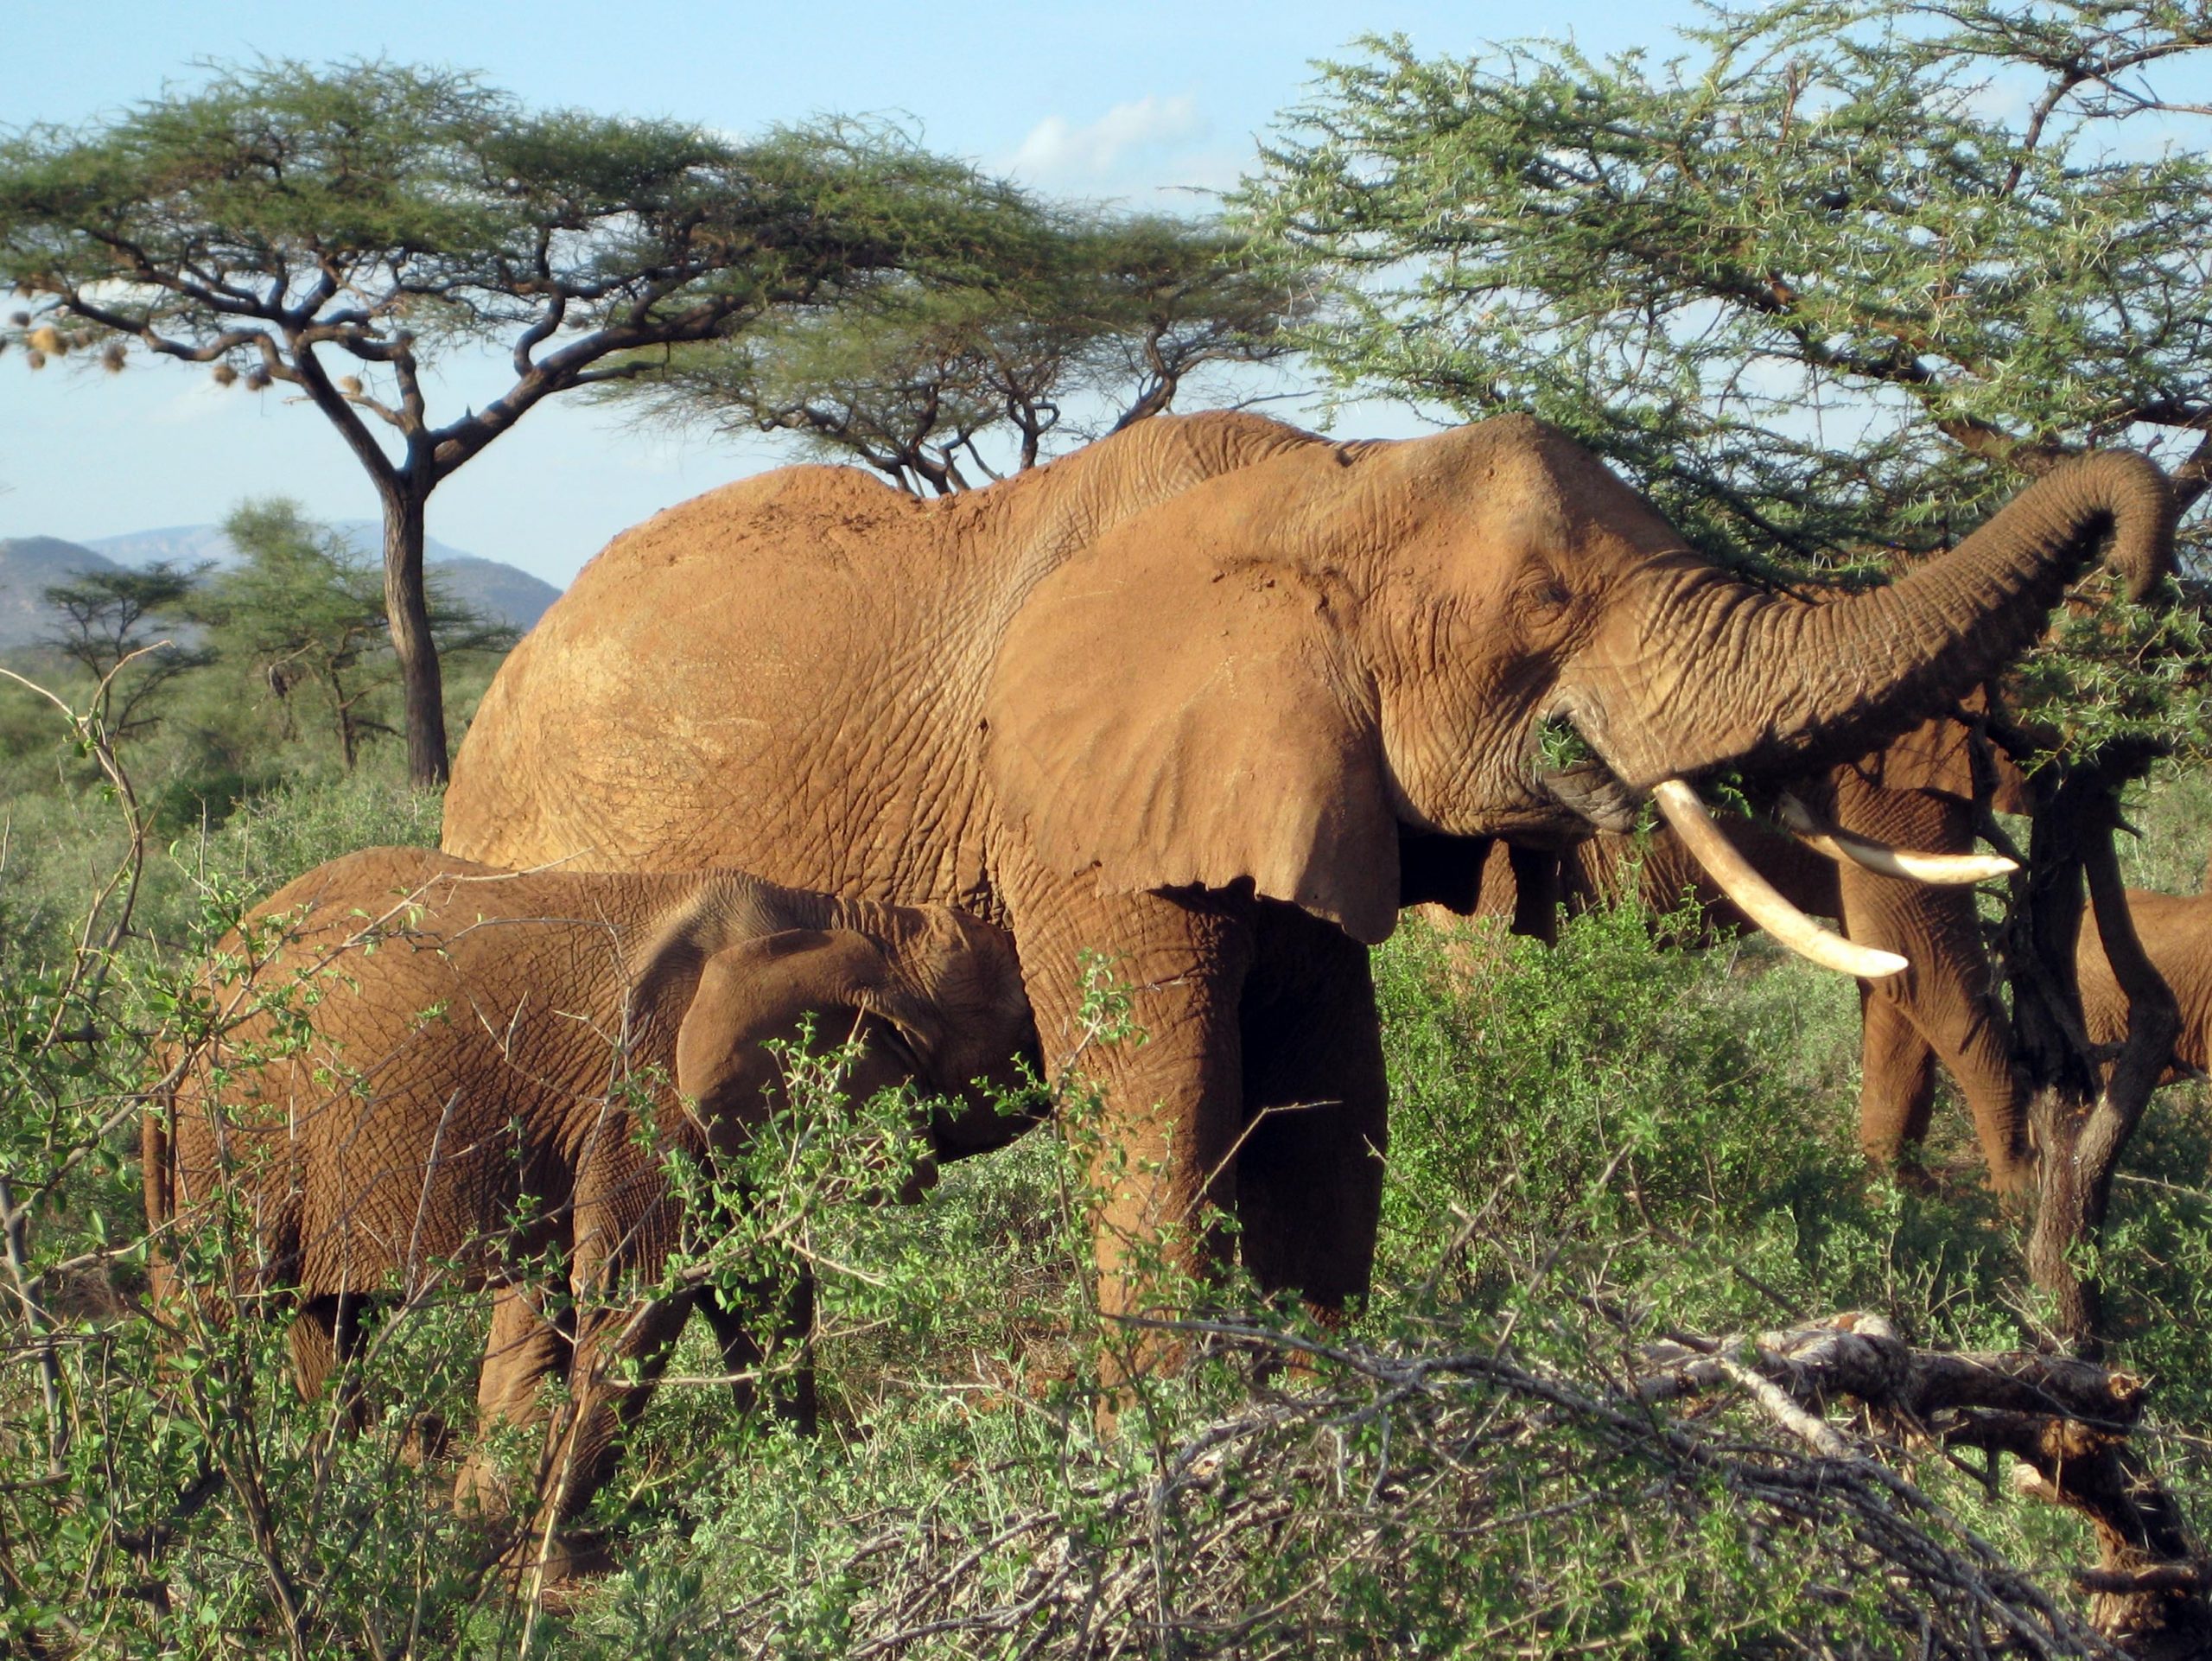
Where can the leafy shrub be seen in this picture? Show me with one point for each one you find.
(1592, 1146)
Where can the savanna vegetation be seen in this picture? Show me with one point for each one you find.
(1810, 294)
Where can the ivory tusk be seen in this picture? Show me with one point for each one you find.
(1758, 899)
(1840, 845)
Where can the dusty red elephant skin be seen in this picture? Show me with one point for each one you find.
(1177, 697)
(466, 1046)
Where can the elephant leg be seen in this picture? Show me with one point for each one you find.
(325, 1334)
(1974, 1041)
(624, 1223)
(1897, 1080)
(528, 1344)
(1170, 1107)
(793, 1400)
(1309, 1173)
(620, 1352)
(1948, 993)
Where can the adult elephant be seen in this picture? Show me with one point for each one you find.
(1917, 791)
(1217, 697)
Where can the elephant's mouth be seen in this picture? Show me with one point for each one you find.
(1580, 780)
(1593, 792)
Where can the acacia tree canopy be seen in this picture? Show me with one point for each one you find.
(1829, 286)
(1070, 324)
(336, 229)
(1833, 281)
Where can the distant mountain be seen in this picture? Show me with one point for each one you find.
(505, 592)
(29, 566)
(182, 545)
(492, 587)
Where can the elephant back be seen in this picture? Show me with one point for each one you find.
(389, 1012)
(787, 674)
(2175, 931)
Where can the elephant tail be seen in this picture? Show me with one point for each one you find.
(157, 1173)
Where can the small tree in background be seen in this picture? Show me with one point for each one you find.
(338, 230)
(1076, 324)
(1828, 287)
(109, 618)
(305, 613)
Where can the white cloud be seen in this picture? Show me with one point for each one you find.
(199, 400)
(1057, 151)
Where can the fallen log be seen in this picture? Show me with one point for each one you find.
(2068, 1422)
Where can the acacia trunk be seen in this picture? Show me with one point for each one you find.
(407, 605)
(2084, 1113)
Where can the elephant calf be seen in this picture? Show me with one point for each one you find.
(461, 1094)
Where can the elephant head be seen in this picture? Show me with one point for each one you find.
(1266, 677)
(933, 997)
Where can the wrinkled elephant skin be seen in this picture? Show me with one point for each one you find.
(1179, 697)
(468, 1097)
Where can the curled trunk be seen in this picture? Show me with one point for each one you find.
(1798, 679)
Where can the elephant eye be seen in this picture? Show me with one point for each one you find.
(1546, 596)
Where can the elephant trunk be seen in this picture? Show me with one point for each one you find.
(1751, 679)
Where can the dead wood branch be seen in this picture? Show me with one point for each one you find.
(1412, 1479)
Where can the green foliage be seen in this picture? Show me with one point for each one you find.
(287, 685)
(108, 621)
(1061, 311)
(304, 612)
(2171, 814)
(1805, 282)
(1592, 1147)
(1589, 1146)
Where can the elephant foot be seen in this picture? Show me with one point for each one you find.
(556, 1571)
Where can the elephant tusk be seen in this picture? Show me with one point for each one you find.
(1949, 870)
(1757, 897)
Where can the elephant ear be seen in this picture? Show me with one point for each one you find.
(1171, 721)
(763, 990)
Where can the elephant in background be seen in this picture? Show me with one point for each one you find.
(1215, 697)
(2175, 931)
(468, 1099)
(1917, 791)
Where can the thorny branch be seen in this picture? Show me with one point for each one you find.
(1401, 1451)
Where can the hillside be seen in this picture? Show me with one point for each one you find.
(28, 566)
(505, 592)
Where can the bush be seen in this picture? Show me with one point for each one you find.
(1592, 1147)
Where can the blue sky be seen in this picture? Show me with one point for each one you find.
(1130, 101)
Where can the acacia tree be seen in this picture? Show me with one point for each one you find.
(337, 230)
(1071, 325)
(1827, 286)
(304, 611)
(1834, 281)
(108, 620)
